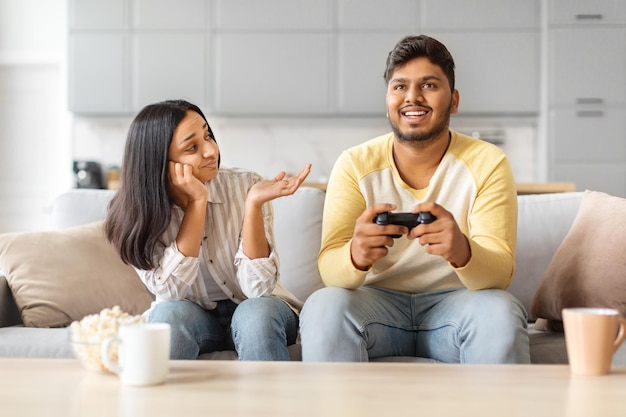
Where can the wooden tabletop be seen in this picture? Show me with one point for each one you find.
(61, 387)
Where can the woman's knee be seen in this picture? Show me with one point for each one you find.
(264, 321)
(263, 314)
(174, 311)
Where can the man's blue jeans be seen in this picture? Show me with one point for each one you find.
(258, 328)
(452, 326)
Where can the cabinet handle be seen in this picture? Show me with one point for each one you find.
(583, 16)
(590, 113)
(589, 100)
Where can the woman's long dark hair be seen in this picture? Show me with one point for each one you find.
(141, 210)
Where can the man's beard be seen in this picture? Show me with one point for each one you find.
(423, 136)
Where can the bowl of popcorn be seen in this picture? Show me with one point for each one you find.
(88, 334)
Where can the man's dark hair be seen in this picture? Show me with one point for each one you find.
(416, 46)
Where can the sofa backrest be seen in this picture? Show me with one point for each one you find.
(298, 234)
(297, 229)
(79, 206)
(543, 222)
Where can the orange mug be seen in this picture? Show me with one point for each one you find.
(592, 336)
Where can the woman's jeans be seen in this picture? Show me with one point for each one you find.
(453, 326)
(258, 328)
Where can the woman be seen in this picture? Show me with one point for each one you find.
(201, 238)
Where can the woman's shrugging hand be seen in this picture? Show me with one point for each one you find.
(279, 186)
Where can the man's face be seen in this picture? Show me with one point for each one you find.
(420, 102)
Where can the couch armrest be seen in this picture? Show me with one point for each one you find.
(9, 313)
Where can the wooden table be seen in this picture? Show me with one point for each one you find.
(61, 387)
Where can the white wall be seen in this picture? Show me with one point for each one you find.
(35, 144)
(266, 146)
(270, 145)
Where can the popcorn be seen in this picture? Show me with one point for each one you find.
(88, 334)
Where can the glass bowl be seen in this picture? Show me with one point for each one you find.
(88, 334)
(88, 350)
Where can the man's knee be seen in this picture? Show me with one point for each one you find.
(500, 306)
(327, 302)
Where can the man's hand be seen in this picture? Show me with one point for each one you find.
(370, 240)
(442, 237)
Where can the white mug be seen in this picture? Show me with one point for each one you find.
(144, 353)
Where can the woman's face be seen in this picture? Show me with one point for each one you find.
(193, 145)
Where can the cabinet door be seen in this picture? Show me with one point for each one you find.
(98, 73)
(587, 66)
(396, 16)
(187, 15)
(361, 86)
(585, 11)
(588, 135)
(169, 66)
(273, 15)
(608, 178)
(491, 75)
(97, 14)
(260, 74)
(479, 14)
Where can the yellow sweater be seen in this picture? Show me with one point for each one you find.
(474, 182)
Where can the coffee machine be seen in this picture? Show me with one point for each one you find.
(88, 174)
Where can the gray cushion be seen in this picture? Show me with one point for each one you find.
(32, 342)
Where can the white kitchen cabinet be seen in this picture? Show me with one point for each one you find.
(164, 68)
(159, 52)
(491, 75)
(587, 12)
(496, 49)
(273, 15)
(588, 134)
(181, 15)
(98, 14)
(361, 59)
(396, 16)
(98, 73)
(295, 57)
(273, 74)
(587, 66)
(587, 94)
(479, 14)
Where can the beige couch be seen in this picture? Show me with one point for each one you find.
(51, 278)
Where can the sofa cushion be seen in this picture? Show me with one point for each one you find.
(57, 277)
(589, 267)
(30, 342)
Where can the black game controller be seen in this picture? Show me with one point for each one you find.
(409, 220)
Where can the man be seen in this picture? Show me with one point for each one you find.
(437, 291)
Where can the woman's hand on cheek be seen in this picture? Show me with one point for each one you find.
(267, 190)
(184, 186)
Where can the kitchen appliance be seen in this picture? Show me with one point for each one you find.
(88, 174)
